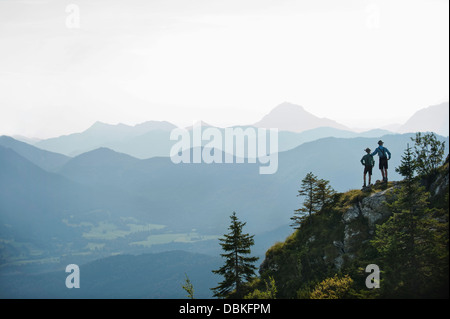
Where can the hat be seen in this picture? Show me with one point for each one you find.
(380, 142)
(367, 150)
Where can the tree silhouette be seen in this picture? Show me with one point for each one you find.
(238, 267)
(317, 193)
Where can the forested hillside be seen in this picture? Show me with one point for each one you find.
(401, 227)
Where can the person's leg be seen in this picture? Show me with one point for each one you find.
(383, 168)
(380, 166)
(386, 169)
(364, 185)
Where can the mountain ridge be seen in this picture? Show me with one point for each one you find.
(47, 160)
(106, 189)
(434, 118)
(103, 135)
(294, 118)
(295, 125)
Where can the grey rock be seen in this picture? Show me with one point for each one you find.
(373, 208)
(338, 262)
(339, 245)
(352, 213)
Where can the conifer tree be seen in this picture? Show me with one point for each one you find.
(407, 242)
(238, 267)
(188, 287)
(308, 190)
(324, 193)
(317, 193)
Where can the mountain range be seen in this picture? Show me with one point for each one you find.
(295, 125)
(144, 140)
(58, 208)
(113, 201)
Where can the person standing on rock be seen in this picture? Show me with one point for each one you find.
(384, 157)
(368, 162)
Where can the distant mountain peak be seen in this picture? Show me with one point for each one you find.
(101, 126)
(155, 125)
(46, 160)
(103, 151)
(433, 118)
(292, 117)
(100, 157)
(99, 123)
(288, 106)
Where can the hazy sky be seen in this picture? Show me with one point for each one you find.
(66, 64)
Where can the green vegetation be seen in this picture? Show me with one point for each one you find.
(110, 231)
(238, 267)
(429, 152)
(172, 238)
(269, 293)
(333, 288)
(400, 226)
(412, 244)
(317, 192)
(188, 287)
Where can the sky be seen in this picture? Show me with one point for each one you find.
(364, 63)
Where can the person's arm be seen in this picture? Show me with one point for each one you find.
(389, 153)
(362, 160)
(375, 152)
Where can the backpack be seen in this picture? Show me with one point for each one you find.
(368, 160)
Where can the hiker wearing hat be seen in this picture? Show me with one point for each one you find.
(368, 162)
(383, 154)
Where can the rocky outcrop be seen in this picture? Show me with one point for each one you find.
(360, 221)
(372, 208)
(339, 238)
(440, 184)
